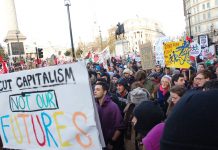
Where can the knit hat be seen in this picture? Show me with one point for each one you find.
(138, 95)
(105, 74)
(176, 72)
(127, 70)
(193, 124)
(168, 77)
(116, 76)
(124, 82)
(148, 115)
(98, 68)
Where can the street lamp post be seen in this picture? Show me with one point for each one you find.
(67, 3)
(189, 22)
(100, 37)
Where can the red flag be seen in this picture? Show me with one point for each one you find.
(89, 55)
(38, 61)
(188, 39)
(96, 58)
(55, 60)
(4, 67)
(192, 58)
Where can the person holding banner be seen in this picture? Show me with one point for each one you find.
(110, 118)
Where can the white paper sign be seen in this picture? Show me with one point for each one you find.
(195, 49)
(159, 51)
(208, 52)
(48, 108)
(203, 40)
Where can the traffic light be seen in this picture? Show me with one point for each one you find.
(40, 52)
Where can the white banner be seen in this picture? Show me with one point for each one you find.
(48, 108)
(159, 51)
(104, 56)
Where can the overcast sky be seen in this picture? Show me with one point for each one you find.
(46, 20)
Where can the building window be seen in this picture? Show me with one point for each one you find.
(216, 2)
(204, 17)
(208, 15)
(199, 28)
(197, 8)
(203, 6)
(208, 5)
(208, 26)
(193, 1)
(196, 29)
(216, 25)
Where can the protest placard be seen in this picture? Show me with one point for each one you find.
(176, 54)
(159, 50)
(146, 54)
(48, 108)
(195, 49)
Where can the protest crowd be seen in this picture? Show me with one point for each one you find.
(161, 108)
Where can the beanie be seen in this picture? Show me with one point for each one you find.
(193, 124)
(124, 82)
(116, 76)
(148, 115)
(127, 70)
(138, 95)
(176, 72)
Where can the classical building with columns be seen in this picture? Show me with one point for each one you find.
(138, 31)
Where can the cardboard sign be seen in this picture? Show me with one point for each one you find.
(48, 108)
(146, 54)
(176, 54)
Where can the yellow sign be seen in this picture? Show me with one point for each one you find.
(176, 54)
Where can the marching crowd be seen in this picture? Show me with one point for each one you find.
(161, 108)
